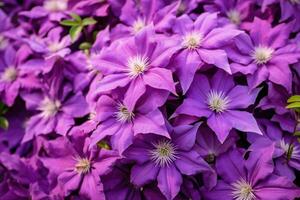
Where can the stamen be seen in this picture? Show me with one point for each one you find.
(217, 101)
(49, 107)
(138, 25)
(164, 153)
(137, 65)
(10, 74)
(56, 5)
(192, 40)
(123, 114)
(54, 47)
(234, 16)
(242, 190)
(83, 165)
(262, 54)
(3, 42)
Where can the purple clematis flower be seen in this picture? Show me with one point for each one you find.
(137, 63)
(54, 109)
(287, 148)
(209, 147)
(221, 102)
(5, 25)
(200, 42)
(265, 55)
(250, 179)
(52, 45)
(12, 77)
(54, 10)
(117, 185)
(288, 10)
(135, 16)
(233, 11)
(16, 176)
(85, 8)
(77, 167)
(165, 160)
(122, 124)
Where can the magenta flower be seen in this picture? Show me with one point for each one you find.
(200, 42)
(287, 148)
(250, 179)
(141, 64)
(165, 160)
(216, 99)
(52, 45)
(77, 167)
(54, 109)
(122, 123)
(232, 11)
(135, 17)
(265, 54)
(12, 77)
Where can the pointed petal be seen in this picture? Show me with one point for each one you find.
(169, 181)
(144, 174)
(160, 78)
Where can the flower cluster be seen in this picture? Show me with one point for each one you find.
(149, 99)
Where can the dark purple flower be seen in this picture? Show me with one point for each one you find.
(117, 185)
(209, 147)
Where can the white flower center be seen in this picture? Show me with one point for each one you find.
(3, 42)
(123, 114)
(262, 54)
(137, 65)
(295, 1)
(83, 165)
(54, 47)
(138, 25)
(217, 101)
(192, 40)
(164, 153)
(10, 74)
(49, 107)
(242, 190)
(234, 16)
(56, 5)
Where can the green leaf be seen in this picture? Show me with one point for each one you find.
(88, 21)
(3, 108)
(294, 105)
(85, 45)
(103, 145)
(297, 133)
(69, 23)
(295, 98)
(76, 17)
(290, 151)
(3, 123)
(75, 32)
